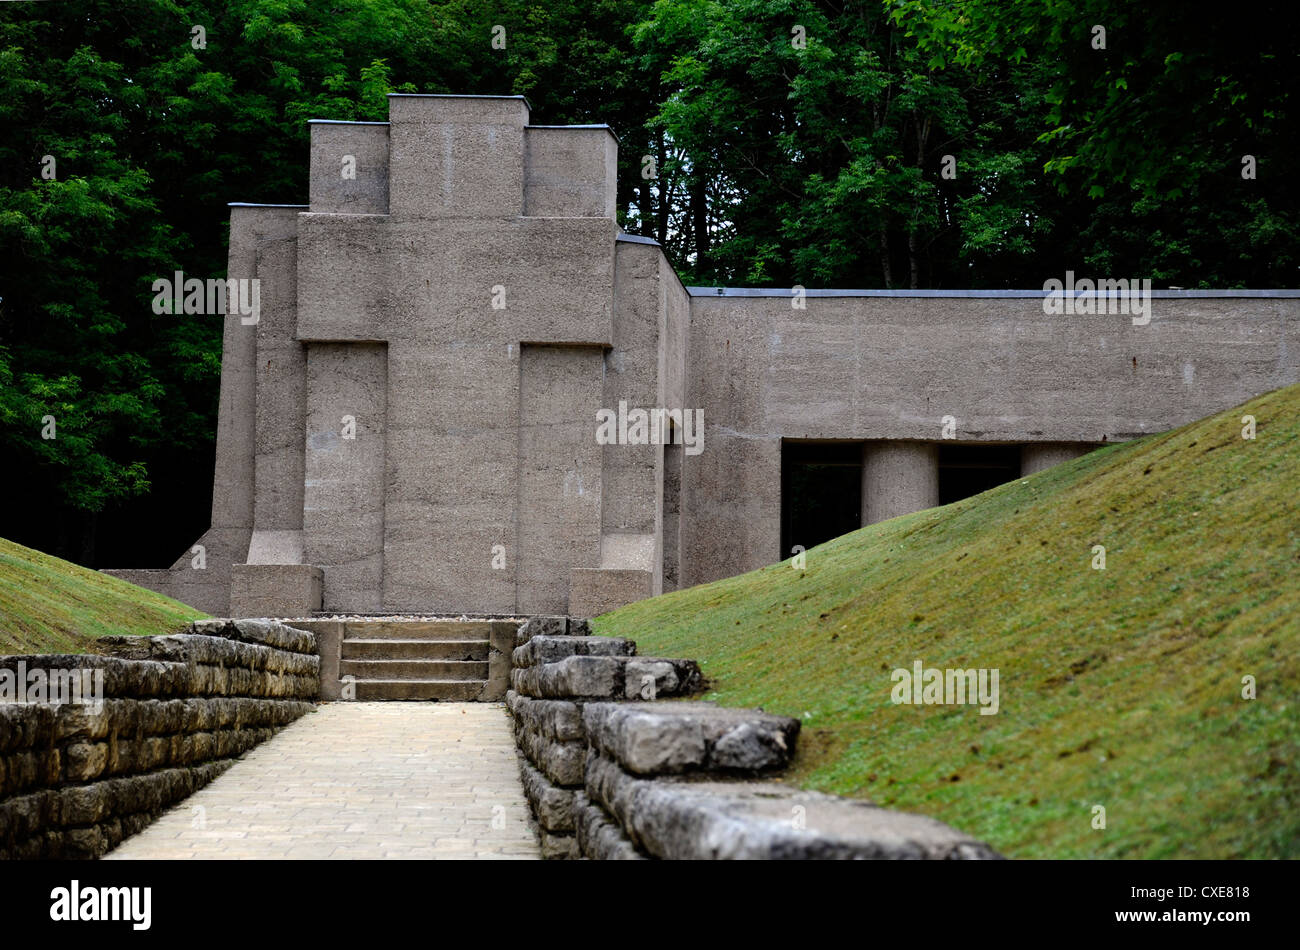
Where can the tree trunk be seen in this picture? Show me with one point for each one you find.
(885, 269)
(661, 225)
(913, 260)
(700, 217)
(646, 206)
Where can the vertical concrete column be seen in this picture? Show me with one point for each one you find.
(570, 172)
(456, 156)
(262, 239)
(1040, 455)
(631, 471)
(451, 476)
(343, 511)
(633, 474)
(232, 495)
(672, 518)
(281, 378)
(898, 478)
(349, 167)
(559, 483)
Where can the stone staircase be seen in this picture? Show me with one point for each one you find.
(414, 659)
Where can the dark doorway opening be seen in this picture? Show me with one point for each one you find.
(821, 492)
(966, 470)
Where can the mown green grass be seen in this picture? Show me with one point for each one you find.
(1119, 687)
(48, 605)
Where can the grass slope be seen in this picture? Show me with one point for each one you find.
(52, 606)
(1120, 687)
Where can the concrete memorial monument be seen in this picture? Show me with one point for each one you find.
(435, 406)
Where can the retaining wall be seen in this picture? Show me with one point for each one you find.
(613, 772)
(75, 779)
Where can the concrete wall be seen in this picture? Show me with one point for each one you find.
(876, 366)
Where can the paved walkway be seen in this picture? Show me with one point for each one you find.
(360, 780)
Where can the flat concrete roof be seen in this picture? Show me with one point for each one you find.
(591, 125)
(636, 239)
(342, 122)
(254, 204)
(769, 292)
(451, 95)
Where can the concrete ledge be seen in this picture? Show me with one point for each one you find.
(329, 646)
(501, 642)
(595, 591)
(275, 590)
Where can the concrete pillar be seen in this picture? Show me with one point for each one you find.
(559, 485)
(570, 172)
(343, 507)
(1040, 455)
(359, 149)
(898, 478)
(456, 156)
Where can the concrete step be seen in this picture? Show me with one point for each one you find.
(419, 690)
(418, 629)
(427, 670)
(388, 649)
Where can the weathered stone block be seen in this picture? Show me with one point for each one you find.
(606, 677)
(661, 738)
(600, 838)
(83, 761)
(552, 806)
(556, 719)
(680, 819)
(558, 846)
(561, 762)
(541, 627)
(552, 649)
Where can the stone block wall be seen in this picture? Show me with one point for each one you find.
(557, 669)
(76, 779)
(613, 773)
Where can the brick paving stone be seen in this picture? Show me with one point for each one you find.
(360, 780)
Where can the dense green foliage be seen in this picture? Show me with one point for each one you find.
(793, 142)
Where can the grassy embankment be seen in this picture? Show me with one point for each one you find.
(48, 605)
(1119, 687)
